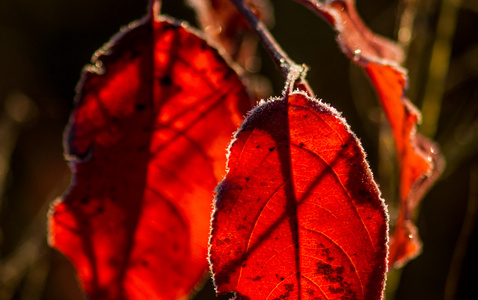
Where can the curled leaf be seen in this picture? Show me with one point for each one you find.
(146, 141)
(419, 159)
(298, 214)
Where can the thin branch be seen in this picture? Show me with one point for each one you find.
(288, 68)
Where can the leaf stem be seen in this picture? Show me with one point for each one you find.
(286, 66)
(154, 8)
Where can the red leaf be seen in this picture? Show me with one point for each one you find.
(146, 142)
(419, 160)
(224, 24)
(353, 36)
(298, 212)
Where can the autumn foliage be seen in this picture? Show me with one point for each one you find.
(145, 120)
(296, 212)
(312, 223)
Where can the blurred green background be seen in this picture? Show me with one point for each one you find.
(45, 44)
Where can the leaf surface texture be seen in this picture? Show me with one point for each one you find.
(419, 159)
(298, 214)
(154, 114)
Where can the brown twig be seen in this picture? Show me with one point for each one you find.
(288, 68)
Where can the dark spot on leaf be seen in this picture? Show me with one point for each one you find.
(272, 149)
(227, 75)
(166, 80)
(339, 270)
(256, 278)
(336, 290)
(324, 269)
(258, 146)
(140, 107)
(344, 145)
(364, 193)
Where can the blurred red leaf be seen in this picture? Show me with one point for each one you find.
(419, 159)
(298, 213)
(225, 25)
(353, 36)
(154, 114)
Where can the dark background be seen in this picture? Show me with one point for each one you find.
(45, 44)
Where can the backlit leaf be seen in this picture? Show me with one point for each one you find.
(419, 159)
(353, 36)
(298, 215)
(224, 24)
(146, 142)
